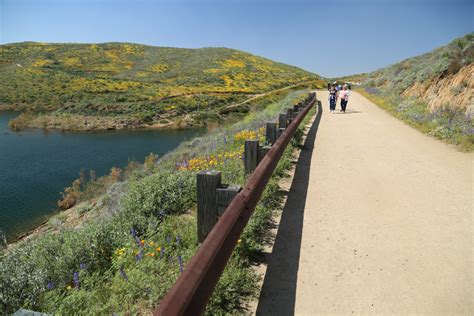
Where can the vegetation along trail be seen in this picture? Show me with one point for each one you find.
(378, 220)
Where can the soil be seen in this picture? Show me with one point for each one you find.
(378, 220)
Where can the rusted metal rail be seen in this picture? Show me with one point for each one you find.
(191, 292)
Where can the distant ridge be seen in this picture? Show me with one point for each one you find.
(130, 83)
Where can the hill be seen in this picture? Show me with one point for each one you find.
(116, 85)
(433, 91)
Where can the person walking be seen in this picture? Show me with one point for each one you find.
(332, 99)
(344, 95)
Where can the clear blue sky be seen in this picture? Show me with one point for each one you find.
(331, 38)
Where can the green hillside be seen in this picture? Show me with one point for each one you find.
(433, 92)
(441, 62)
(127, 85)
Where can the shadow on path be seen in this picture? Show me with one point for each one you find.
(348, 112)
(279, 286)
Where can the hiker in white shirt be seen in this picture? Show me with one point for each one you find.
(344, 96)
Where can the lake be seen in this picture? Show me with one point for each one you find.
(35, 166)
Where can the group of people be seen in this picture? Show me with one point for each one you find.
(336, 91)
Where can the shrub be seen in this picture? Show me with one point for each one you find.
(70, 195)
(164, 192)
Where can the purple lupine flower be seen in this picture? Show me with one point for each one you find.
(123, 274)
(139, 256)
(162, 214)
(180, 262)
(75, 279)
(225, 140)
(82, 266)
(178, 240)
(50, 285)
(162, 252)
(133, 232)
(137, 241)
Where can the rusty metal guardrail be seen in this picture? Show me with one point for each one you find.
(191, 292)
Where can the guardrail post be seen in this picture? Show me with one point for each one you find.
(262, 151)
(289, 115)
(296, 109)
(280, 131)
(225, 194)
(282, 123)
(250, 155)
(270, 133)
(207, 184)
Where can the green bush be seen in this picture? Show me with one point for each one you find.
(162, 193)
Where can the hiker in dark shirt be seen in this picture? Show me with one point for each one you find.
(332, 99)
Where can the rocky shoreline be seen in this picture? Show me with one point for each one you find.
(82, 123)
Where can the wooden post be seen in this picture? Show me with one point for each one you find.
(262, 151)
(225, 195)
(280, 131)
(207, 184)
(296, 109)
(270, 133)
(289, 115)
(282, 120)
(250, 155)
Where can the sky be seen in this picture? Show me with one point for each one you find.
(331, 38)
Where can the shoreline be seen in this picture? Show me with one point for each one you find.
(66, 122)
(71, 220)
(110, 126)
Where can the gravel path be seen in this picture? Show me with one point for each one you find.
(379, 219)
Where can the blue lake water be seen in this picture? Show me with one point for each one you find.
(35, 166)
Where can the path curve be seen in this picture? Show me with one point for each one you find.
(379, 219)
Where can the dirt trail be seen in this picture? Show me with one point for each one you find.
(256, 96)
(378, 220)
